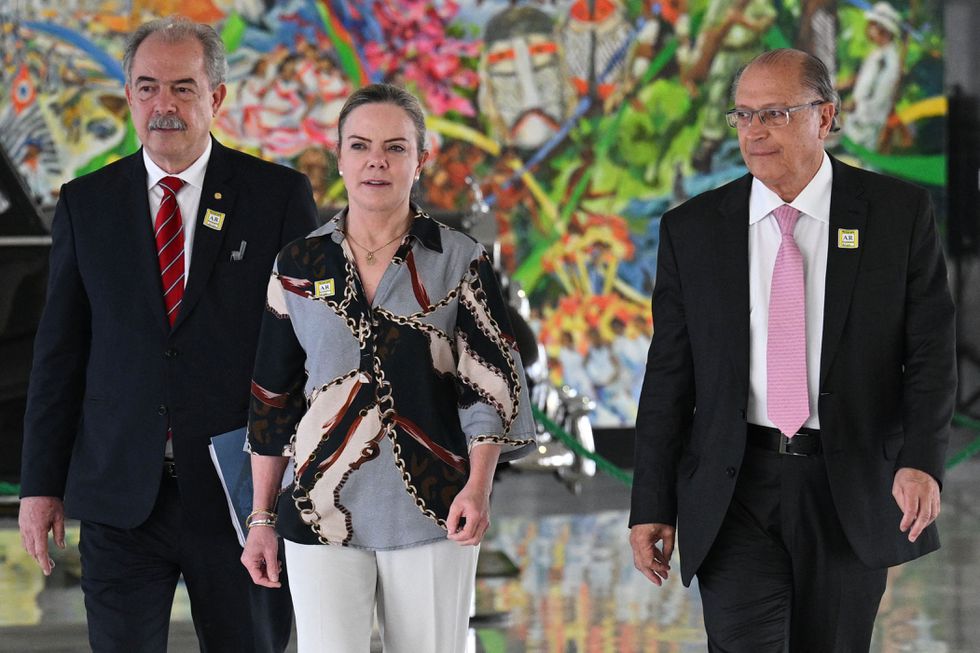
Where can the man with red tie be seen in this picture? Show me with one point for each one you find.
(795, 412)
(158, 270)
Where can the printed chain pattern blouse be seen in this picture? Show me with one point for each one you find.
(379, 404)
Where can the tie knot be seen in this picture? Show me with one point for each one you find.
(786, 216)
(171, 185)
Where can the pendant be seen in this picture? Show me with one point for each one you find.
(370, 258)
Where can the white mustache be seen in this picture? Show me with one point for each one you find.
(167, 122)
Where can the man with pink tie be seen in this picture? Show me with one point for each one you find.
(795, 411)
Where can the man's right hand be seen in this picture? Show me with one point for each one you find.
(38, 516)
(652, 561)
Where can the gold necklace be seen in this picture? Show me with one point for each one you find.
(370, 252)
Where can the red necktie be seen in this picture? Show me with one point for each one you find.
(169, 230)
(786, 393)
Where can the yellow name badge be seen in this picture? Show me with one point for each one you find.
(323, 288)
(214, 220)
(847, 238)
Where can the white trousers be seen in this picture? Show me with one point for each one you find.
(422, 595)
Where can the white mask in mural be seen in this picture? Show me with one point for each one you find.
(523, 90)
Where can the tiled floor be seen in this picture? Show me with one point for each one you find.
(577, 591)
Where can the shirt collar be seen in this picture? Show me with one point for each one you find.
(192, 175)
(424, 229)
(813, 200)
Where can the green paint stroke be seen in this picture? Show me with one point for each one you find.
(929, 169)
(608, 138)
(491, 640)
(775, 39)
(529, 272)
(346, 54)
(233, 32)
(129, 144)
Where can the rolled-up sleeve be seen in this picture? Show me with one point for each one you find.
(493, 399)
(278, 401)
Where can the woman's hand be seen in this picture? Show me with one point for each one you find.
(469, 514)
(261, 556)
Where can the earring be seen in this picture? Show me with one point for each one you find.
(341, 172)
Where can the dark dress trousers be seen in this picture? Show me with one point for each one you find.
(887, 373)
(110, 377)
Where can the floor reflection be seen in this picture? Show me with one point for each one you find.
(576, 591)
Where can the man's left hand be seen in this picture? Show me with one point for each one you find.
(917, 495)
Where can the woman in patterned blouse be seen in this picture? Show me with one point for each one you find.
(388, 373)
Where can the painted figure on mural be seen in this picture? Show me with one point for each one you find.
(524, 90)
(289, 101)
(730, 35)
(596, 38)
(314, 162)
(59, 113)
(877, 81)
(612, 381)
(818, 32)
(572, 363)
(31, 166)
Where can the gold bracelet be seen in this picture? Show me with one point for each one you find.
(260, 522)
(269, 518)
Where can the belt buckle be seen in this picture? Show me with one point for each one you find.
(784, 442)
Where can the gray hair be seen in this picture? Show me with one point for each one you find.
(814, 75)
(174, 30)
(385, 94)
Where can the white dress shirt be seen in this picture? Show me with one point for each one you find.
(188, 198)
(811, 234)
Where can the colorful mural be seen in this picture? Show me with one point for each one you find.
(577, 122)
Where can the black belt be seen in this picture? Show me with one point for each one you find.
(169, 469)
(806, 442)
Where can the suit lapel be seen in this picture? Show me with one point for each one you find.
(848, 210)
(138, 253)
(733, 269)
(217, 196)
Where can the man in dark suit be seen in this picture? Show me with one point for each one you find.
(158, 271)
(794, 416)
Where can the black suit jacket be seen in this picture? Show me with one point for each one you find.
(887, 367)
(110, 375)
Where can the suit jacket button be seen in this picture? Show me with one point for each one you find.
(161, 410)
(730, 472)
(170, 353)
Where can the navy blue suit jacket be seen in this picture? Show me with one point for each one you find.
(110, 375)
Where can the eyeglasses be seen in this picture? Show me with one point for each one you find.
(771, 117)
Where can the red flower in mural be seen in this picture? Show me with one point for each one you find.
(418, 52)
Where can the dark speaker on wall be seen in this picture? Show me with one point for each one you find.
(963, 219)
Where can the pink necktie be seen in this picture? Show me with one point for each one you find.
(786, 392)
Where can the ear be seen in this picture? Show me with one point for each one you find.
(826, 119)
(217, 97)
(423, 157)
(129, 96)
